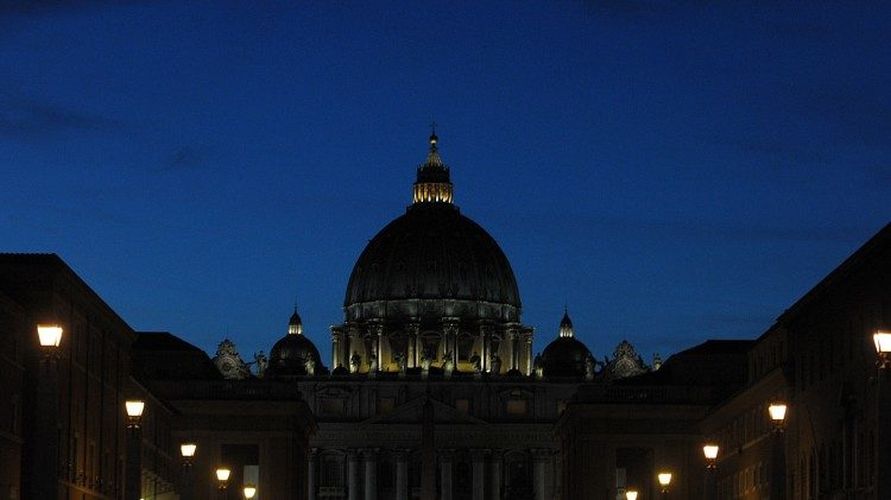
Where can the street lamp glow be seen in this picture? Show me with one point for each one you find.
(249, 491)
(882, 340)
(223, 474)
(188, 449)
(777, 412)
(49, 335)
(664, 479)
(710, 451)
(631, 495)
(134, 408)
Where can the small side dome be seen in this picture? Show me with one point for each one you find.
(294, 354)
(565, 356)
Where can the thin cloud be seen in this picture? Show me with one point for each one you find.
(186, 157)
(25, 118)
(43, 7)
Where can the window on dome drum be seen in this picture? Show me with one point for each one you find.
(516, 407)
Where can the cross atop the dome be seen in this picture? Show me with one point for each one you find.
(433, 139)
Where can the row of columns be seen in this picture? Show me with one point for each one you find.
(540, 461)
(516, 342)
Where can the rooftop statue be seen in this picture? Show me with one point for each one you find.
(229, 362)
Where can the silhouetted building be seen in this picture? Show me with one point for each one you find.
(65, 433)
(618, 436)
(86, 382)
(819, 360)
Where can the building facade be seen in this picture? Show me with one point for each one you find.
(65, 433)
(820, 358)
(819, 361)
(85, 382)
(432, 319)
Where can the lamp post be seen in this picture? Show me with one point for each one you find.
(630, 494)
(187, 452)
(133, 485)
(250, 491)
(777, 412)
(882, 340)
(664, 482)
(223, 474)
(710, 452)
(43, 476)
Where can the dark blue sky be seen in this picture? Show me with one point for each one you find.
(672, 171)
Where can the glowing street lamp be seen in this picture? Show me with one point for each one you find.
(249, 491)
(223, 474)
(49, 335)
(710, 451)
(133, 478)
(664, 480)
(777, 411)
(135, 408)
(41, 480)
(187, 451)
(631, 495)
(882, 340)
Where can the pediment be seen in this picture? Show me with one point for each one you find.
(411, 412)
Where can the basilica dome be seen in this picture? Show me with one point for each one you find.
(432, 253)
(566, 356)
(294, 354)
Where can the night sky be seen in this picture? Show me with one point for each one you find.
(672, 171)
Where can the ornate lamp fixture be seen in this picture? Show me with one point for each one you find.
(710, 452)
(187, 450)
(664, 480)
(249, 490)
(135, 408)
(777, 411)
(50, 336)
(882, 340)
(223, 474)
